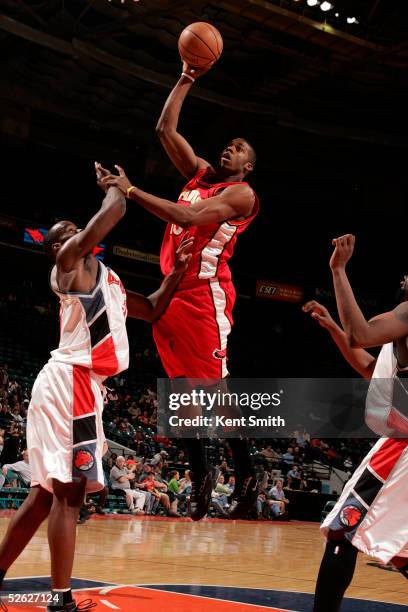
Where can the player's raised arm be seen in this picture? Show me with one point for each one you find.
(234, 202)
(358, 358)
(386, 327)
(176, 146)
(152, 307)
(111, 212)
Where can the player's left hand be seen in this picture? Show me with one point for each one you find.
(196, 72)
(101, 172)
(344, 247)
(120, 181)
(183, 254)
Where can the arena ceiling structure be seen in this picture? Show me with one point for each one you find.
(284, 63)
(322, 99)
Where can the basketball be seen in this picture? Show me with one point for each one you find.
(200, 44)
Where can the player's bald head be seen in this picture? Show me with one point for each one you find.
(56, 236)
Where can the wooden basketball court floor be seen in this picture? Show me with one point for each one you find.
(145, 563)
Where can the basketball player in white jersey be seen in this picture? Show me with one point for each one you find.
(371, 514)
(65, 435)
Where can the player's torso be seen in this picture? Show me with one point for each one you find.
(93, 325)
(213, 243)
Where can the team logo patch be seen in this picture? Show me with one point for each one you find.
(220, 354)
(83, 460)
(350, 516)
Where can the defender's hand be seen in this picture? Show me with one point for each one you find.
(101, 172)
(120, 181)
(183, 254)
(320, 313)
(344, 247)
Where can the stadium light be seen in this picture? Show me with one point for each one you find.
(312, 2)
(326, 6)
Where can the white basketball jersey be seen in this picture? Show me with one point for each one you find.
(93, 325)
(387, 397)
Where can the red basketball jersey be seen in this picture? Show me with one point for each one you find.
(213, 244)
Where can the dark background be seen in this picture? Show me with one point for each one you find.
(324, 104)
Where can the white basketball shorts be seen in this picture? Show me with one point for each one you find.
(64, 427)
(372, 511)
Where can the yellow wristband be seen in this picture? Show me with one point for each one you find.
(129, 189)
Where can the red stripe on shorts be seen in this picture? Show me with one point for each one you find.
(387, 456)
(104, 360)
(84, 400)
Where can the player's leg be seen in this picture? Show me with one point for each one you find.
(67, 502)
(335, 575)
(246, 489)
(23, 526)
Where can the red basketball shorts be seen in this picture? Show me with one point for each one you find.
(191, 336)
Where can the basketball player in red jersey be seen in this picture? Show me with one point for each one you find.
(214, 207)
(371, 513)
(64, 427)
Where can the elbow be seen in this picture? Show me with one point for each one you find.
(186, 218)
(163, 130)
(160, 127)
(354, 340)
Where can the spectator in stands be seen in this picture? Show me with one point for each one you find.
(181, 457)
(174, 492)
(348, 464)
(16, 413)
(120, 478)
(158, 490)
(144, 419)
(13, 444)
(220, 497)
(271, 456)
(287, 460)
(140, 445)
(160, 457)
(224, 467)
(298, 455)
(294, 478)
(4, 376)
(17, 473)
(301, 436)
(185, 484)
(130, 461)
(5, 412)
(277, 501)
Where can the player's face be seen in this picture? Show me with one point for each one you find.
(64, 230)
(68, 230)
(235, 158)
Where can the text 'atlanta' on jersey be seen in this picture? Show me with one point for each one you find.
(192, 334)
(64, 423)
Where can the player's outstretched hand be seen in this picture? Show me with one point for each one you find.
(120, 180)
(344, 247)
(196, 72)
(183, 254)
(101, 172)
(320, 313)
